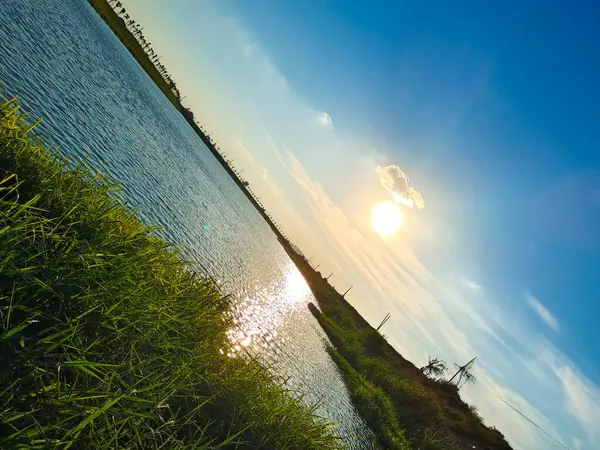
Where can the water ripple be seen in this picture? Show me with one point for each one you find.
(96, 101)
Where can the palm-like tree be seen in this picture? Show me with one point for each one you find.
(464, 374)
(435, 368)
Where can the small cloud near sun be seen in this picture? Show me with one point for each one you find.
(325, 119)
(395, 181)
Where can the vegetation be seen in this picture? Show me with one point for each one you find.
(434, 368)
(106, 339)
(130, 34)
(429, 410)
(389, 392)
(373, 405)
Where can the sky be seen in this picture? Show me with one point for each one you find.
(488, 110)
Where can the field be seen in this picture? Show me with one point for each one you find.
(106, 339)
(405, 408)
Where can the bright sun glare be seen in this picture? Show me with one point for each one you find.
(386, 218)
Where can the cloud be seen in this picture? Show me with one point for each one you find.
(456, 328)
(473, 285)
(581, 395)
(542, 311)
(396, 182)
(387, 277)
(581, 399)
(325, 119)
(240, 148)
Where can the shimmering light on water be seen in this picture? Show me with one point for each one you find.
(96, 101)
(257, 318)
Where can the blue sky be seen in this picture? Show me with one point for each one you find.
(491, 111)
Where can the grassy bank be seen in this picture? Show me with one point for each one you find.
(373, 405)
(389, 392)
(106, 340)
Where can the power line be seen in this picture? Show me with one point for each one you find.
(514, 408)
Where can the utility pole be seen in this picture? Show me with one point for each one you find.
(385, 319)
(348, 290)
(329, 276)
(463, 373)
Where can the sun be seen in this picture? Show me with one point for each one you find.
(386, 218)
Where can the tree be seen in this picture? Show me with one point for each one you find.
(435, 368)
(464, 374)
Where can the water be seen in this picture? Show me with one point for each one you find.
(96, 102)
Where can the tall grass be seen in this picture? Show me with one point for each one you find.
(106, 339)
(373, 405)
(389, 392)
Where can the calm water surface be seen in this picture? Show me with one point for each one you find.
(96, 102)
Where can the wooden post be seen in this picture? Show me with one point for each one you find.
(385, 319)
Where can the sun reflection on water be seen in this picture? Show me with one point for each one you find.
(258, 316)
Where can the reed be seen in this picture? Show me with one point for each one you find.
(107, 340)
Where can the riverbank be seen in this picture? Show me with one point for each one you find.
(106, 340)
(389, 391)
(123, 33)
(405, 408)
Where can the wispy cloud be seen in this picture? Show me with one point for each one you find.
(388, 277)
(542, 311)
(473, 285)
(419, 301)
(582, 399)
(396, 182)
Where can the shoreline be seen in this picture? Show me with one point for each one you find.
(339, 319)
(119, 28)
(106, 339)
(389, 391)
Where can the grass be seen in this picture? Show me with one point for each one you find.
(406, 409)
(373, 405)
(389, 392)
(106, 339)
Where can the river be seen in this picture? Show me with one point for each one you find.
(96, 102)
